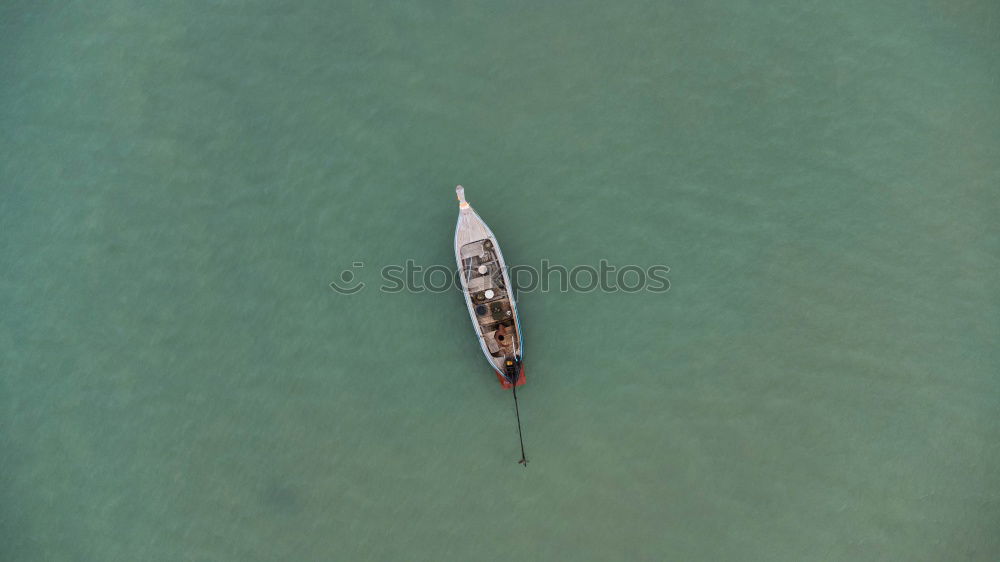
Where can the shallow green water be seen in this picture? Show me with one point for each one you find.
(181, 181)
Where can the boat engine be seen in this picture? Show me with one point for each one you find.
(512, 367)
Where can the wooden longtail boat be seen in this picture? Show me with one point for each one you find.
(489, 297)
(488, 294)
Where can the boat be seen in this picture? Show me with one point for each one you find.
(488, 294)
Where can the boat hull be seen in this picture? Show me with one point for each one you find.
(488, 294)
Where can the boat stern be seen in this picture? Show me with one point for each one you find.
(506, 383)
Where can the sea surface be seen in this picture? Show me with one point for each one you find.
(181, 181)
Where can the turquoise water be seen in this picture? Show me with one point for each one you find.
(181, 181)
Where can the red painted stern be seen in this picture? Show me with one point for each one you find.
(506, 385)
